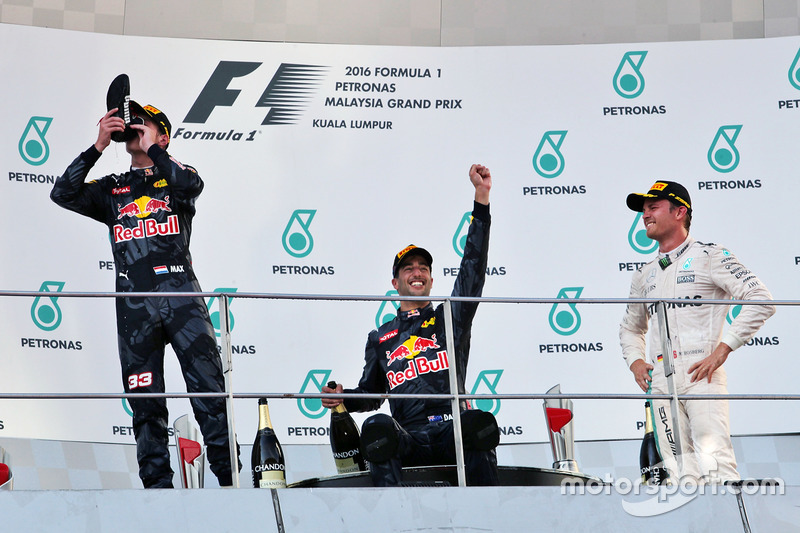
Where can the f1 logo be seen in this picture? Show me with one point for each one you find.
(287, 94)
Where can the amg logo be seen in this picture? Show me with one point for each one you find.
(662, 413)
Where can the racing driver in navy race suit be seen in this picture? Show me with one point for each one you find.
(411, 355)
(149, 211)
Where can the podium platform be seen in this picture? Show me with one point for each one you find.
(403, 509)
(447, 476)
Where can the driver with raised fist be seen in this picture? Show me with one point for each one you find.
(411, 354)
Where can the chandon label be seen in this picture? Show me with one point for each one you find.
(345, 455)
(268, 467)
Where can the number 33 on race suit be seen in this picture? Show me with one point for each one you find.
(140, 380)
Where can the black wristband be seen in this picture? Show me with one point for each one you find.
(481, 211)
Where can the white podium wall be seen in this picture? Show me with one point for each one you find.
(65, 465)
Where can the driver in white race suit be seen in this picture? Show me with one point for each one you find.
(694, 271)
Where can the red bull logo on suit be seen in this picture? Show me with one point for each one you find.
(143, 206)
(418, 367)
(147, 228)
(411, 348)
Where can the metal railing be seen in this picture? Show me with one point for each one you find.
(454, 396)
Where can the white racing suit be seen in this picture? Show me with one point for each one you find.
(694, 271)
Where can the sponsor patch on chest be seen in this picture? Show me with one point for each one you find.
(417, 367)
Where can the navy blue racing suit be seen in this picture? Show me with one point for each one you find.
(410, 355)
(149, 214)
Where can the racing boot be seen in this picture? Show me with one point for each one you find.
(119, 96)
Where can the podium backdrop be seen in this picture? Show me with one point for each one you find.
(320, 162)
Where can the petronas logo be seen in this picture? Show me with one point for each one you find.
(486, 383)
(213, 310)
(628, 79)
(638, 239)
(564, 317)
(33, 147)
(794, 71)
(548, 161)
(387, 311)
(312, 407)
(460, 236)
(297, 239)
(45, 312)
(733, 312)
(723, 155)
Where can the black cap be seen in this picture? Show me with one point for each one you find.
(409, 251)
(669, 190)
(156, 115)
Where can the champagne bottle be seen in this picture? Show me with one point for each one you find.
(345, 440)
(650, 461)
(267, 458)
